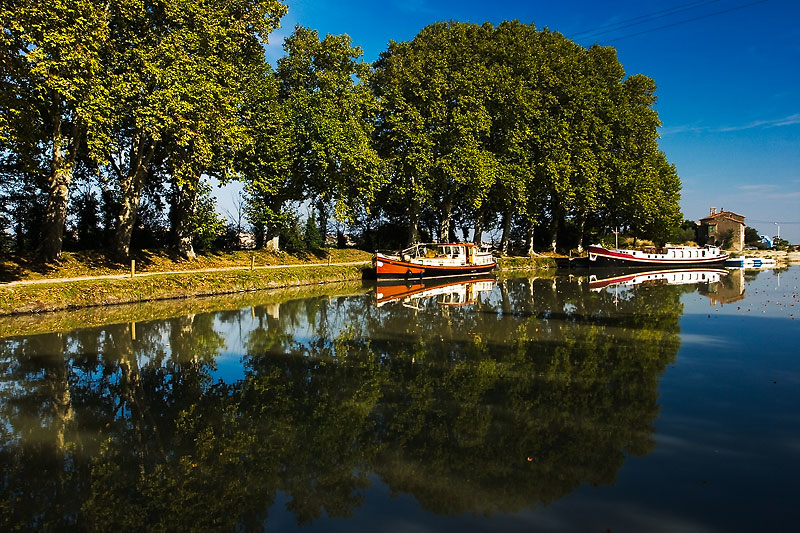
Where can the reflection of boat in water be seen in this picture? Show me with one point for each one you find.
(434, 260)
(750, 262)
(667, 257)
(450, 293)
(659, 277)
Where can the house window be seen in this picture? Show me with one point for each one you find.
(712, 229)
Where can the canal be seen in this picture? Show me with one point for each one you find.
(611, 402)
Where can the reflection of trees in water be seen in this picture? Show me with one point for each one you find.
(517, 400)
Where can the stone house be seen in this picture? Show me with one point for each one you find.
(716, 227)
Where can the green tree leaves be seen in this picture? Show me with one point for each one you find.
(461, 127)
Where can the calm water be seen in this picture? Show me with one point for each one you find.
(550, 404)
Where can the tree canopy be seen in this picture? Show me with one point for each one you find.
(463, 129)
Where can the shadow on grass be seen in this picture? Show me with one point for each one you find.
(11, 270)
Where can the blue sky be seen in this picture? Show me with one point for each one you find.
(728, 76)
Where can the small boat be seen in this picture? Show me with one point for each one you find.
(428, 260)
(750, 262)
(667, 257)
(670, 276)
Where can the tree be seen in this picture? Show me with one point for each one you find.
(323, 87)
(265, 163)
(183, 63)
(751, 235)
(435, 124)
(55, 96)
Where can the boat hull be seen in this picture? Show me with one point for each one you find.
(388, 268)
(603, 257)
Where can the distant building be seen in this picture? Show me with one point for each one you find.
(715, 228)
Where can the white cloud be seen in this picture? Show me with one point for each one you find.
(763, 187)
(789, 120)
(785, 121)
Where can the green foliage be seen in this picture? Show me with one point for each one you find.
(331, 109)
(291, 234)
(205, 224)
(751, 235)
(311, 235)
(687, 232)
(779, 243)
(462, 127)
(522, 122)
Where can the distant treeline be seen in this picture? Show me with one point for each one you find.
(113, 115)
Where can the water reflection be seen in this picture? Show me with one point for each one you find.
(694, 276)
(536, 387)
(464, 291)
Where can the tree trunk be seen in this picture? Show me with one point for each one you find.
(56, 214)
(324, 214)
(446, 221)
(478, 235)
(581, 225)
(504, 240)
(131, 193)
(531, 228)
(554, 230)
(258, 233)
(56, 373)
(58, 183)
(413, 223)
(131, 188)
(184, 207)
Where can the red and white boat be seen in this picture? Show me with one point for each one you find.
(667, 257)
(428, 260)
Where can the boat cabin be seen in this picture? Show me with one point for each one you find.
(446, 254)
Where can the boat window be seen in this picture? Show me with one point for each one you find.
(704, 253)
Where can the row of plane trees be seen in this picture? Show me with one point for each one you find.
(465, 127)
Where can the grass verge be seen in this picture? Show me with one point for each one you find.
(541, 262)
(89, 293)
(179, 283)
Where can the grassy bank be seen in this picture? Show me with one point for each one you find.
(94, 263)
(53, 296)
(177, 281)
(540, 262)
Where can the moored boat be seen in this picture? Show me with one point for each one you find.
(667, 257)
(427, 260)
(750, 262)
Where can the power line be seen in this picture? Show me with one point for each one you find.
(685, 21)
(641, 19)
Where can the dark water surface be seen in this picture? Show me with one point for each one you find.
(549, 404)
